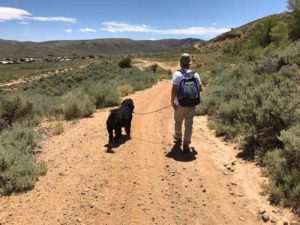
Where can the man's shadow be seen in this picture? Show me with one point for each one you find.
(177, 153)
(110, 147)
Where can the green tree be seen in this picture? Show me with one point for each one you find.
(294, 31)
(279, 32)
(262, 35)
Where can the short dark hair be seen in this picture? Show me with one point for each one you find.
(185, 66)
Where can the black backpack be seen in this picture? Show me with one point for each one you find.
(188, 93)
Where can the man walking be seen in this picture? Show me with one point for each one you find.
(186, 88)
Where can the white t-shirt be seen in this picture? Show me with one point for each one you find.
(178, 77)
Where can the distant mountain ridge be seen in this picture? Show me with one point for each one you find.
(19, 49)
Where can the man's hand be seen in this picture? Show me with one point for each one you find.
(174, 106)
(200, 88)
(173, 95)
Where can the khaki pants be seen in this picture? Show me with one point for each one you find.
(187, 114)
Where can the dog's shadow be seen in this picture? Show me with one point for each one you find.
(177, 154)
(110, 147)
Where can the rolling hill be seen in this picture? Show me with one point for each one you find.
(243, 33)
(87, 47)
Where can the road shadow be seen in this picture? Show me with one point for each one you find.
(110, 147)
(177, 154)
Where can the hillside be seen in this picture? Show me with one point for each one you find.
(86, 47)
(240, 33)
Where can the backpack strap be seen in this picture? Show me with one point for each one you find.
(187, 76)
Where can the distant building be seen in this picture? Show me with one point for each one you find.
(6, 61)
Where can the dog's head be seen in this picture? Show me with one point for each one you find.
(128, 103)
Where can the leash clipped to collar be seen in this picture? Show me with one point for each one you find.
(155, 111)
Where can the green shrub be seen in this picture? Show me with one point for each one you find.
(153, 68)
(139, 85)
(284, 169)
(18, 167)
(125, 63)
(104, 95)
(204, 78)
(13, 109)
(234, 48)
(125, 89)
(57, 128)
(261, 105)
(77, 104)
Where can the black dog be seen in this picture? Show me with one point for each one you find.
(119, 118)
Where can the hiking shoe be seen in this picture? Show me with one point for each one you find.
(186, 149)
(177, 142)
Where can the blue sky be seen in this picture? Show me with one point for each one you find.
(42, 20)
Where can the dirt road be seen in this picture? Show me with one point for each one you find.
(145, 181)
(143, 63)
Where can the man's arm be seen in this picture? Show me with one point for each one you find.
(200, 88)
(173, 95)
(200, 82)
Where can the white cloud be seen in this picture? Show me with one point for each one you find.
(13, 14)
(7, 13)
(87, 30)
(54, 19)
(68, 31)
(124, 27)
(194, 31)
(24, 22)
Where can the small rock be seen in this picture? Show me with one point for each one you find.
(204, 190)
(276, 211)
(285, 223)
(261, 210)
(265, 217)
(242, 218)
(273, 220)
(259, 217)
(78, 220)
